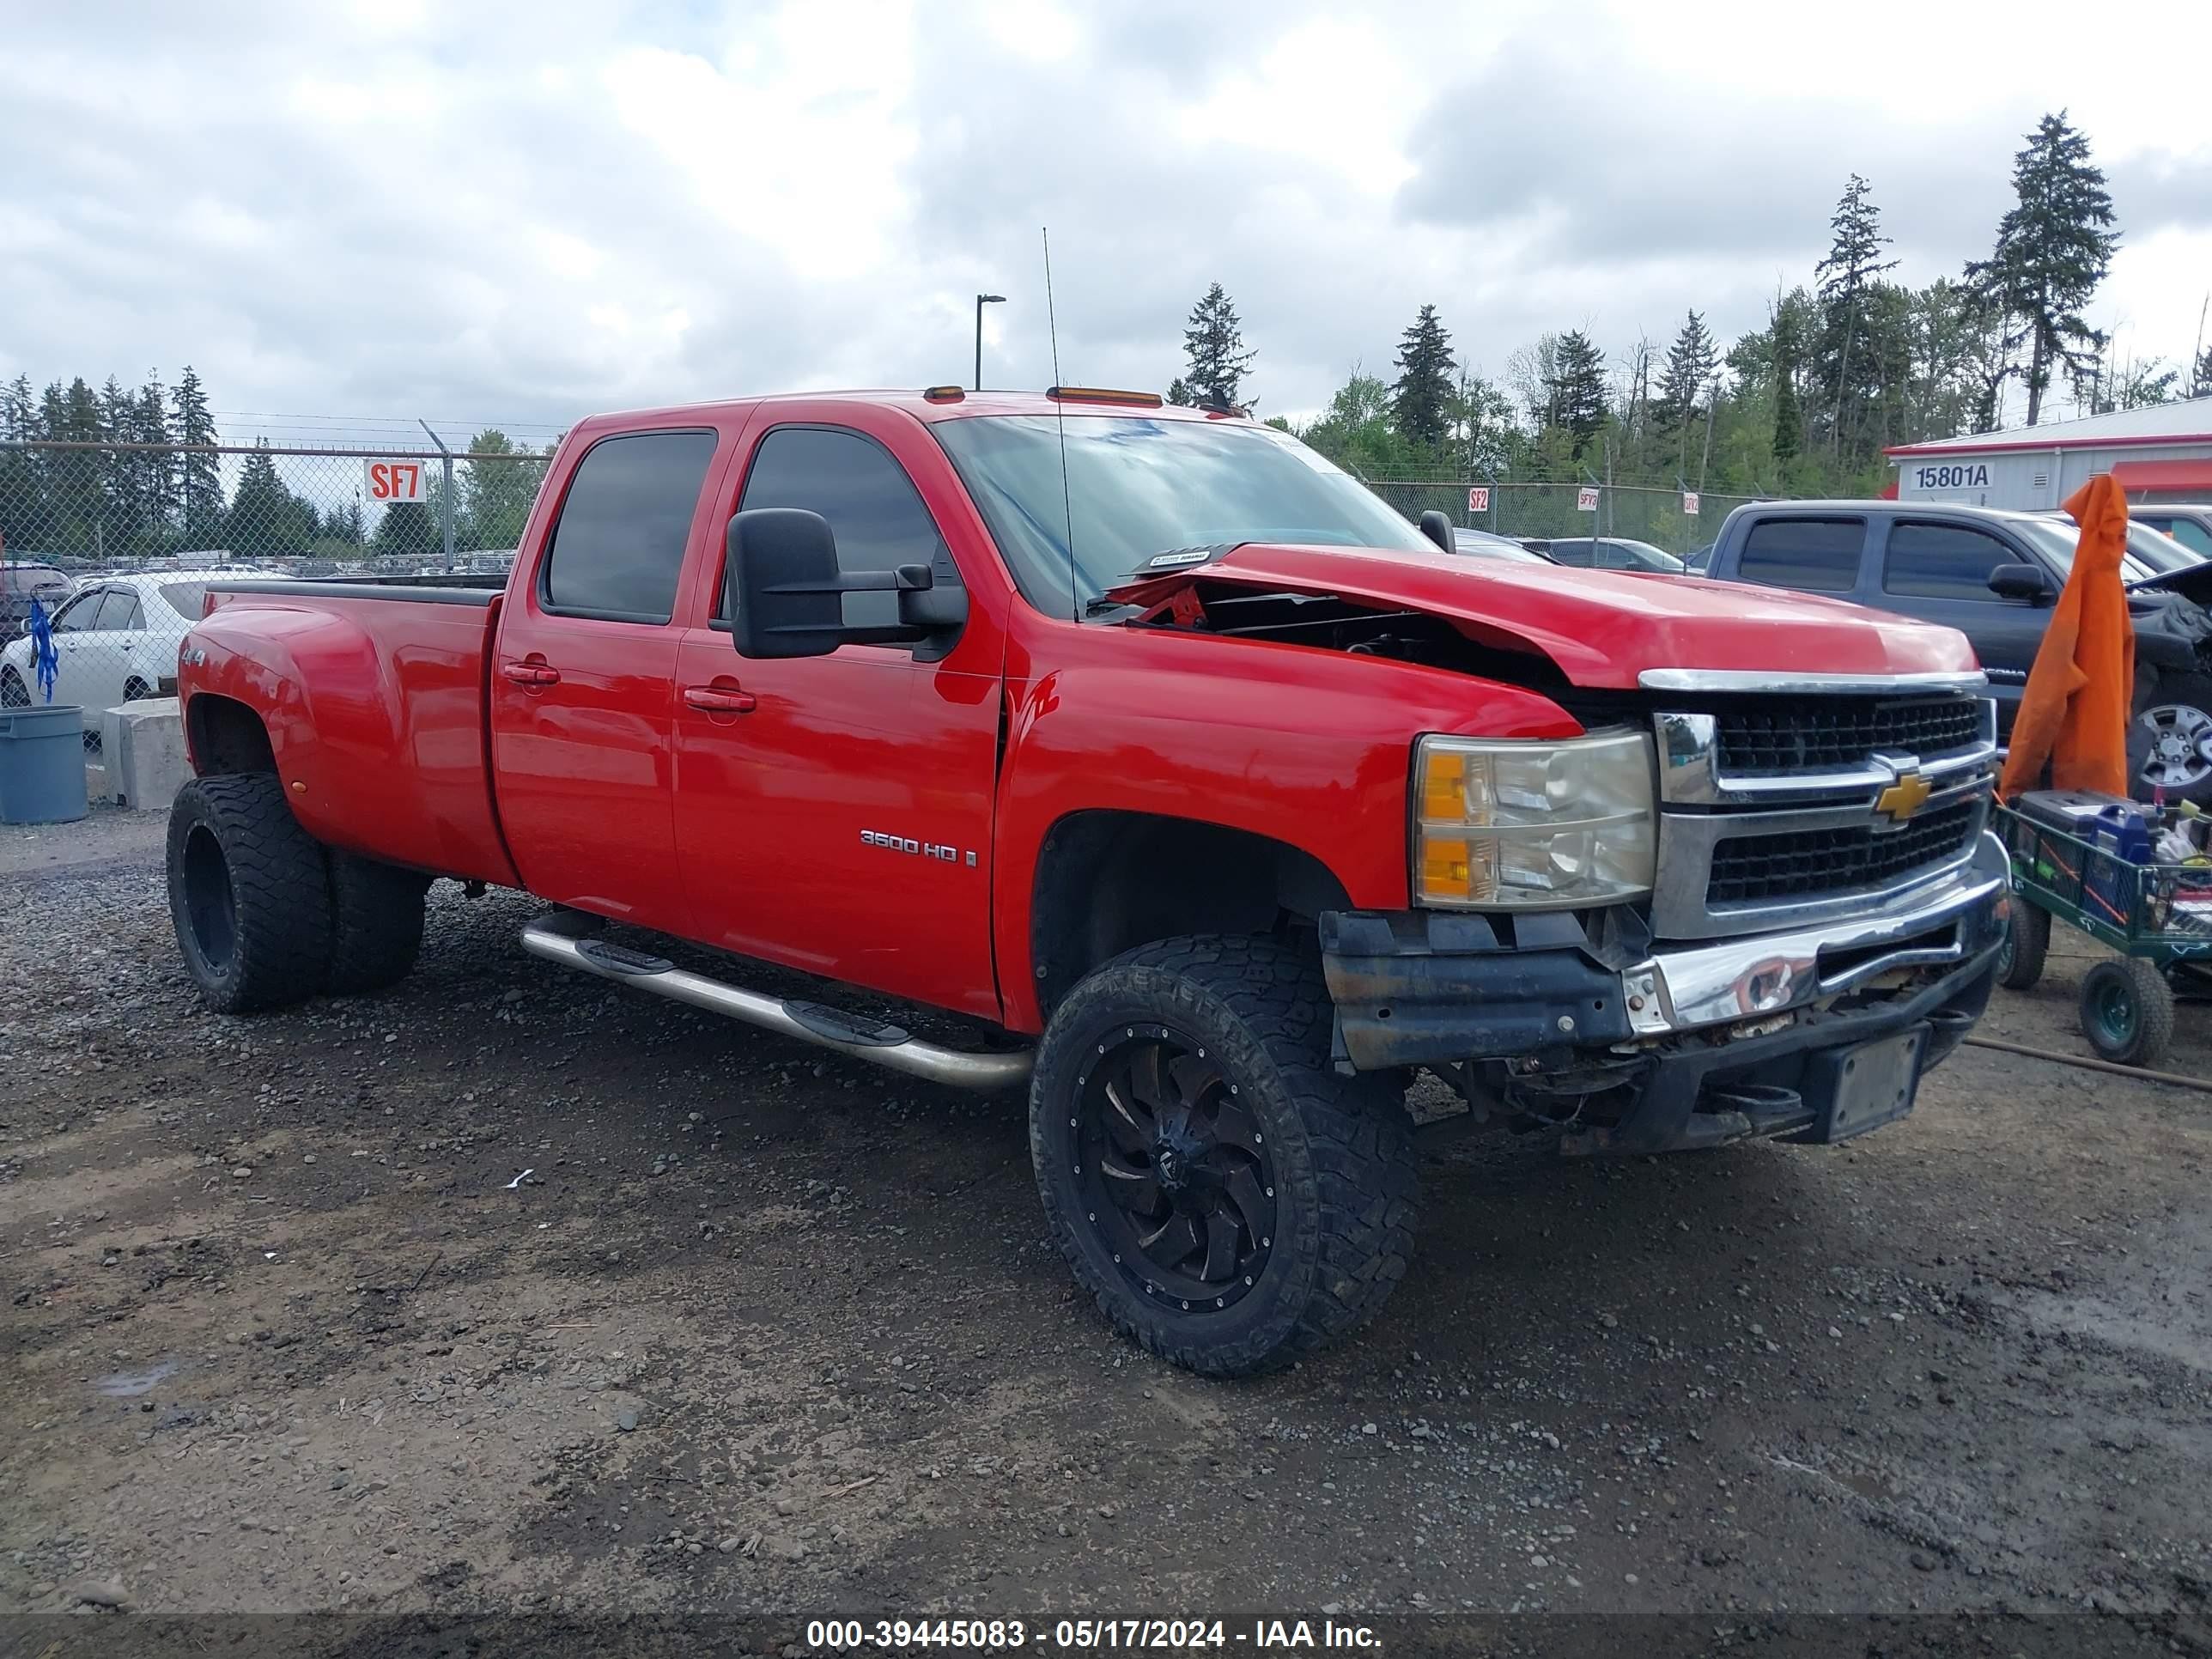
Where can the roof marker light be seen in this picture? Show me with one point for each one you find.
(1096, 394)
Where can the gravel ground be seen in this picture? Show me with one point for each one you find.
(508, 1290)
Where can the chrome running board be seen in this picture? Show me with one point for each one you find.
(567, 941)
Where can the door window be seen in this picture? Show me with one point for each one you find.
(1944, 562)
(1819, 556)
(82, 614)
(617, 550)
(872, 506)
(120, 613)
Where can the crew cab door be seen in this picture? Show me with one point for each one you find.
(835, 813)
(583, 674)
(1940, 572)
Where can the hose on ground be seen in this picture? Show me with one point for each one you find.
(2173, 1078)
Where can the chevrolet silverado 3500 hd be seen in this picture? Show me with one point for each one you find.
(1151, 739)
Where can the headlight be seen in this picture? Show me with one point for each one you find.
(1532, 826)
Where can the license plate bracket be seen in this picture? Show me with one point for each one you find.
(1866, 1085)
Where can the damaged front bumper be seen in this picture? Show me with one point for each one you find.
(1814, 1033)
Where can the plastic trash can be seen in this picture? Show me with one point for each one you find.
(42, 764)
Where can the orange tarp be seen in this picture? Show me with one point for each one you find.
(2074, 713)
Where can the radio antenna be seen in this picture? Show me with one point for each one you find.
(1060, 411)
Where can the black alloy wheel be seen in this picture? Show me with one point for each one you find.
(1231, 1198)
(1176, 1171)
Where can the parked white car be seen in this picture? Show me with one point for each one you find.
(115, 640)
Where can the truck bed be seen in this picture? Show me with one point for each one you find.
(381, 738)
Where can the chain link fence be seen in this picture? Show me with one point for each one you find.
(114, 544)
(1653, 513)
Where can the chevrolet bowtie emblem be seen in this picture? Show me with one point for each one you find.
(1903, 798)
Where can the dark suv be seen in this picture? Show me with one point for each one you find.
(1993, 574)
(20, 581)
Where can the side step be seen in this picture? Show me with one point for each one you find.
(561, 940)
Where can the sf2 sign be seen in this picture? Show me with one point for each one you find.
(1478, 499)
(392, 481)
(1974, 475)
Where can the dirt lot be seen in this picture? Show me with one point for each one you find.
(508, 1290)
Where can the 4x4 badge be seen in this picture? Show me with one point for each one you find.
(1903, 798)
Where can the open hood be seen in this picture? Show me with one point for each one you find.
(1602, 629)
(2192, 582)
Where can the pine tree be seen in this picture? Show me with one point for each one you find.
(405, 529)
(73, 490)
(1578, 391)
(123, 518)
(199, 479)
(1214, 344)
(1421, 397)
(1179, 392)
(1789, 418)
(157, 464)
(266, 520)
(1853, 264)
(342, 523)
(1691, 362)
(22, 509)
(2052, 251)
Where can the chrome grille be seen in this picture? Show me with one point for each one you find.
(1811, 862)
(1776, 800)
(1828, 734)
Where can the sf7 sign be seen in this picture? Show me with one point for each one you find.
(392, 481)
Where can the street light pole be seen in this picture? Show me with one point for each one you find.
(982, 300)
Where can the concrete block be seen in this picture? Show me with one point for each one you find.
(143, 744)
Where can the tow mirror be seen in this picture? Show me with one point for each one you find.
(1439, 529)
(784, 594)
(2031, 582)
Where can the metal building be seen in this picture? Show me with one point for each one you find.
(2161, 453)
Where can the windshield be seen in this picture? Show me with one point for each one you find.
(2149, 554)
(1138, 487)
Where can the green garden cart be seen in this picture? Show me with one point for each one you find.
(2157, 916)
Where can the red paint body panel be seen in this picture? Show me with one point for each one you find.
(767, 807)
(375, 709)
(1602, 628)
(770, 804)
(1310, 747)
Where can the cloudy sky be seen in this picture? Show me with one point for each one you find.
(475, 211)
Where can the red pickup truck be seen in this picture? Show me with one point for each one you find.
(1153, 740)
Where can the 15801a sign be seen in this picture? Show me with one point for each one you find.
(1964, 475)
(392, 481)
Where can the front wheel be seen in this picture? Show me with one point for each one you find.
(1230, 1201)
(2127, 1012)
(14, 694)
